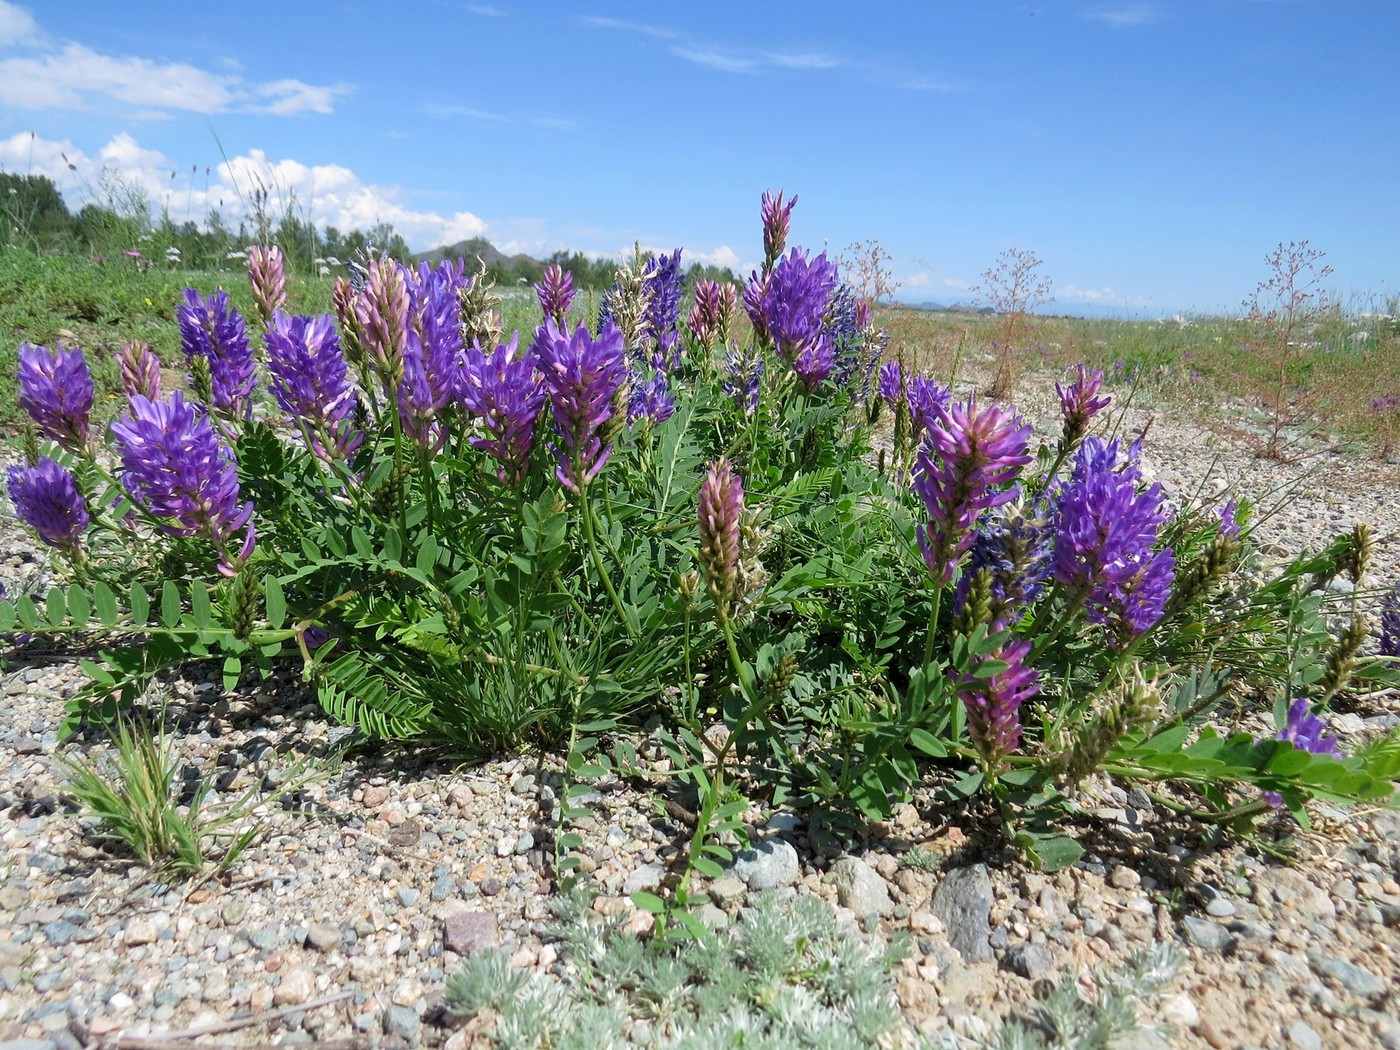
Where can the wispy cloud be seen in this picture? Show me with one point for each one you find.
(1125, 16)
(486, 11)
(717, 60)
(69, 75)
(641, 28)
(807, 60)
(455, 109)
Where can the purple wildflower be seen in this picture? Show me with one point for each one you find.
(1390, 625)
(583, 375)
(1304, 730)
(744, 377)
(650, 398)
(665, 283)
(175, 467)
(434, 298)
(381, 314)
(706, 320)
(777, 219)
(966, 465)
(267, 275)
(927, 401)
(720, 509)
(55, 388)
(1015, 548)
(556, 292)
(1104, 537)
(1079, 403)
(1229, 522)
(418, 400)
(755, 288)
(46, 498)
(505, 391)
(213, 329)
(794, 308)
(140, 370)
(310, 384)
(891, 383)
(994, 704)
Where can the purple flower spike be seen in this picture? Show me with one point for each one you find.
(267, 274)
(1304, 730)
(46, 498)
(720, 509)
(994, 704)
(310, 384)
(434, 314)
(505, 391)
(556, 292)
(582, 375)
(966, 465)
(744, 378)
(174, 466)
(381, 313)
(1015, 547)
(418, 400)
(890, 384)
(777, 219)
(927, 401)
(794, 308)
(1229, 523)
(140, 370)
(650, 398)
(755, 288)
(213, 329)
(1390, 625)
(665, 283)
(1079, 403)
(55, 388)
(704, 320)
(1104, 538)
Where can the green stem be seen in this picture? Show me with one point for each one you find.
(586, 512)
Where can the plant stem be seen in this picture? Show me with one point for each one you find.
(586, 512)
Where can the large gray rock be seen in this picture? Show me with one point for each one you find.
(768, 865)
(859, 887)
(467, 932)
(963, 900)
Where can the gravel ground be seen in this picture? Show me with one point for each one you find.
(342, 923)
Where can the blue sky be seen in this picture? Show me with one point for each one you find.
(1151, 153)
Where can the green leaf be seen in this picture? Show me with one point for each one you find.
(1049, 851)
(427, 555)
(233, 670)
(55, 607)
(393, 546)
(140, 605)
(274, 601)
(105, 602)
(169, 604)
(79, 609)
(7, 616)
(200, 607)
(27, 613)
(649, 902)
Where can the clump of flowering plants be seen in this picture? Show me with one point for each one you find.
(491, 540)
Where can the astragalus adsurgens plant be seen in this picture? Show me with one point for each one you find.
(552, 537)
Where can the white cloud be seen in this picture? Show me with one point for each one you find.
(486, 11)
(641, 28)
(1086, 295)
(810, 60)
(70, 75)
(712, 59)
(17, 25)
(1125, 16)
(957, 284)
(328, 194)
(917, 280)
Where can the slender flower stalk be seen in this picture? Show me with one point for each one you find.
(583, 376)
(1389, 642)
(505, 391)
(47, 499)
(556, 293)
(212, 329)
(140, 370)
(55, 388)
(267, 275)
(176, 468)
(311, 385)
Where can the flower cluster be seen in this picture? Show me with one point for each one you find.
(583, 376)
(777, 220)
(55, 388)
(1013, 548)
(175, 467)
(993, 703)
(504, 390)
(46, 498)
(966, 465)
(267, 275)
(743, 378)
(793, 306)
(927, 402)
(555, 292)
(140, 370)
(665, 282)
(212, 329)
(713, 313)
(890, 383)
(720, 509)
(1104, 540)
(310, 383)
(1079, 403)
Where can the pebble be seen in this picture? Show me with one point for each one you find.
(1220, 907)
(468, 932)
(1353, 978)
(1028, 960)
(297, 986)
(859, 888)
(1206, 934)
(402, 1021)
(324, 936)
(1303, 1037)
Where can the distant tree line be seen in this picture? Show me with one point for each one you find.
(33, 215)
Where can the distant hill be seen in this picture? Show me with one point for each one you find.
(474, 248)
(955, 308)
